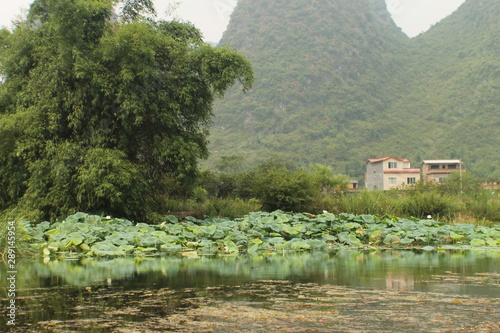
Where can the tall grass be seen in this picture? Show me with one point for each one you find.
(480, 207)
(363, 202)
(484, 206)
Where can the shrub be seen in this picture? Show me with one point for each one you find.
(279, 187)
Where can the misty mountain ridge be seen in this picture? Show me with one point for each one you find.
(337, 82)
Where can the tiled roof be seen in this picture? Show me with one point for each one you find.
(376, 160)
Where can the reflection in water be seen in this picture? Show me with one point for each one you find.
(122, 291)
(399, 282)
(398, 270)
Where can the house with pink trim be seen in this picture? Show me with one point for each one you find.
(387, 172)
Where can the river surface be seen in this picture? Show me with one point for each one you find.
(343, 291)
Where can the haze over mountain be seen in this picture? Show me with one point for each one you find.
(337, 82)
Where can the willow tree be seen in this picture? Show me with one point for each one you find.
(102, 112)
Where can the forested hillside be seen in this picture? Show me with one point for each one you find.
(337, 82)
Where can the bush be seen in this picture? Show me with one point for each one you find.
(279, 187)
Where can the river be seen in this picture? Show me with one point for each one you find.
(342, 291)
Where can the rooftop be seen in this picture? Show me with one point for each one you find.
(381, 159)
(440, 161)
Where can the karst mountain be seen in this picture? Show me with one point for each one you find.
(337, 82)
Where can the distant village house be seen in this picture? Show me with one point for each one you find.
(438, 170)
(389, 172)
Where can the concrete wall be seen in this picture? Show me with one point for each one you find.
(374, 178)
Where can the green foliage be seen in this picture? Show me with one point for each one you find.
(420, 200)
(431, 203)
(105, 116)
(483, 206)
(91, 235)
(363, 202)
(280, 184)
(280, 187)
(466, 182)
(134, 9)
(229, 207)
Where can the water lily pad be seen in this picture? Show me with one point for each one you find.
(478, 242)
(391, 239)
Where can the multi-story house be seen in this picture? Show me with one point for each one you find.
(438, 170)
(387, 172)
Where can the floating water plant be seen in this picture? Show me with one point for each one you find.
(256, 233)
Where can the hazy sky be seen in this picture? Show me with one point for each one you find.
(212, 16)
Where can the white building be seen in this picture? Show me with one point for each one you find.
(387, 172)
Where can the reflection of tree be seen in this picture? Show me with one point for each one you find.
(399, 281)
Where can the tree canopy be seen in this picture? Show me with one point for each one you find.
(103, 112)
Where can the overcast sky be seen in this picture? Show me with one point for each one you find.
(212, 16)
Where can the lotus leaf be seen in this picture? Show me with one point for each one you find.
(174, 229)
(330, 238)
(170, 247)
(456, 236)
(477, 242)
(292, 230)
(317, 244)
(391, 239)
(127, 248)
(172, 219)
(406, 241)
(252, 250)
(257, 231)
(353, 240)
(368, 218)
(299, 245)
(76, 217)
(492, 242)
(230, 246)
(375, 236)
(41, 227)
(150, 241)
(146, 249)
(106, 249)
(276, 240)
(256, 241)
(352, 225)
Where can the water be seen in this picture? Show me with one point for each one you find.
(354, 291)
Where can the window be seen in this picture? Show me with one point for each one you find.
(411, 180)
(452, 166)
(434, 166)
(393, 165)
(441, 180)
(392, 181)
